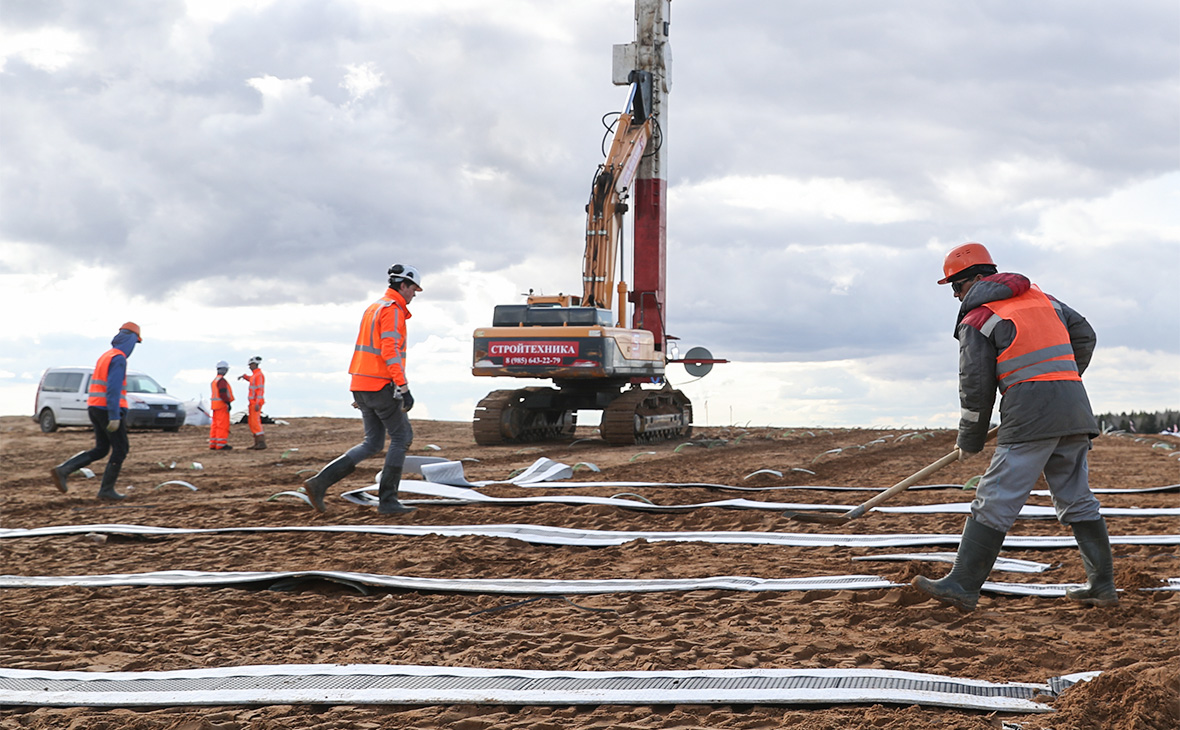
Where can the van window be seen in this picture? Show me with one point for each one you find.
(62, 382)
(142, 384)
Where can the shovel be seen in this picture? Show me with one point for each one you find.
(901, 486)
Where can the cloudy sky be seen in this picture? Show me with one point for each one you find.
(237, 177)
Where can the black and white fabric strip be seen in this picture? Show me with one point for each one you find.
(369, 684)
(1008, 565)
(495, 586)
(545, 472)
(552, 535)
(514, 586)
(450, 495)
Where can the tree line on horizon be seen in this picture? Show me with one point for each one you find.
(1140, 422)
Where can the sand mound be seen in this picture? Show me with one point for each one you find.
(1142, 696)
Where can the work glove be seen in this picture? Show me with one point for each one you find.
(243, 377)
(407, 398)
(965, 455)
(113, 425)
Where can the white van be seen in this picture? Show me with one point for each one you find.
(62, 395)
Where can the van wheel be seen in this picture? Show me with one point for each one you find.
(48, 422)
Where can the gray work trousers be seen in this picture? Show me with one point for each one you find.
(381, 412)
(1013, 473)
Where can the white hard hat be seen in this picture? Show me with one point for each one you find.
(223, 364)
(255, 360)
(403, 272)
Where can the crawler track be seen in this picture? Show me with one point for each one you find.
(635, 417)
(646, 416)
(501, 418)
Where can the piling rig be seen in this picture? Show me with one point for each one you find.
(583, 344)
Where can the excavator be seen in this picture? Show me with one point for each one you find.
(583, 344)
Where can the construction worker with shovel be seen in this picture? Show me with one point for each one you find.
(106, 405)
(381, 392)
(1033, 349)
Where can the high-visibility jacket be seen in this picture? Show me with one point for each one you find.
(97, 395)
(1041, 349)
(220, 399)
(379, 357)
(257, 388)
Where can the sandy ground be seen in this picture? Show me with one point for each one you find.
(134, 629)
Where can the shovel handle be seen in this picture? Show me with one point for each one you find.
(910, 481)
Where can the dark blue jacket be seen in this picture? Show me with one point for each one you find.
(117, 372)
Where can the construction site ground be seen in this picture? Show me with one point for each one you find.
(1007, 639)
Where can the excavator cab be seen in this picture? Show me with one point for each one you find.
(540, 315)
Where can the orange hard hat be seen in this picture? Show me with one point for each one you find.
(132, 327)
(964, 257)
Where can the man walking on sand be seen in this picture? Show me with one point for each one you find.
(381, 392)
(1034, 349)
(106, 406)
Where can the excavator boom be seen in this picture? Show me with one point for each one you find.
(604, 212)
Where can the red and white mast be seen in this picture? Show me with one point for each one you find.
(650, 52)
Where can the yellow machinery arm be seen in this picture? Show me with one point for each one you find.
(604, 213)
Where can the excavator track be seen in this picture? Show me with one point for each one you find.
(502, 418)
(647, 416)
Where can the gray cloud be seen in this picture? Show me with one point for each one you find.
(178, 166)
(900, 91)
(157, 151)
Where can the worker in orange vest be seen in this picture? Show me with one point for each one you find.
(1032, 348)
(222, 396)
(381, 392)
(106, 406)
(256, 397)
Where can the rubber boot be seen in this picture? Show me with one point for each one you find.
(978, 549)
(318, 485)
(63, 470)
(259, 442)
(387, 501)
(109, 477)
(1094, 543)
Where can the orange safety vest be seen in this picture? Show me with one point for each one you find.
(218, 403)
(257, 387)
(1041, 349)
(97, 395)
(380, 353)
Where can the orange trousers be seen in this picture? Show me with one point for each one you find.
(219, 430)
(256, 419)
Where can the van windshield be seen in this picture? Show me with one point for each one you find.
(142, 384)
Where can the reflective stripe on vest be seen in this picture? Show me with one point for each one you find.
(97, 393)
(1041, 349)
(218, 403)
(257, 383)
(368, 360)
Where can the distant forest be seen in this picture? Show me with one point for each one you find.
(1140, 422)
